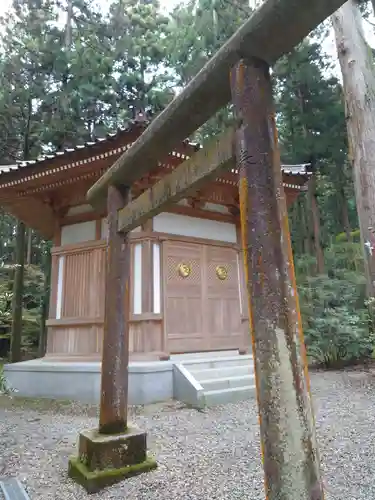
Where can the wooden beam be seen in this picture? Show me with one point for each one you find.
(115, 354)
(272, 31)
(288, 437)
(185, 180)
(34, 213)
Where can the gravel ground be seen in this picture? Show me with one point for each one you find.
(201, 455)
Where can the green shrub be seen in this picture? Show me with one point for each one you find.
(33, 294)
(355, 236)
(335, 317)
(346, 256)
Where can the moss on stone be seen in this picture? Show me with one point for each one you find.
(94, 481)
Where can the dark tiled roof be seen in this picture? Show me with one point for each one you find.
(295, 170)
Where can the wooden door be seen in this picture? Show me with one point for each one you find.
(183, 308)
(201, 300)
(222, 298)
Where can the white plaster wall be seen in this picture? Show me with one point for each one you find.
(156, 278)
(183, 225)
(137, 288)
(214, 207)
(60, 283)
(78, 233)
(80, 209)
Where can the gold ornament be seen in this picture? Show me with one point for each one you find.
(222, 272)
(184, 270)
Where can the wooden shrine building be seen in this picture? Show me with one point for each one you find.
(187, 287)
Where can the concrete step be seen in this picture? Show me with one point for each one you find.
(12, 489)
(219, 362)
(217, 384)
(181, 358)
(223, 372)
(231, 395)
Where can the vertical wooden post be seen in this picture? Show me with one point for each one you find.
(290, 456)
(115, 355)
(118, 451)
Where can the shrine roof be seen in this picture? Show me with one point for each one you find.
(21, 168)
(39, 191)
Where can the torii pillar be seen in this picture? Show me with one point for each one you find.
(115, 450)
(287, 427)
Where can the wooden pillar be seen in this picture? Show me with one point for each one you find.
(290, 455)
(115, 355)
(118, 450)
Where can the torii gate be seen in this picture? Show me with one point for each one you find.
(240, 69)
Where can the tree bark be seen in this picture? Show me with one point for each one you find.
(359, 92)
(45, 304)
(345, 215)
(315, 212)
(29, 245)
(16, 339)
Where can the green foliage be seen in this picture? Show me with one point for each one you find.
(4, 385)
(334, 312)
(33, 295)
(354, 236)
(197, 29)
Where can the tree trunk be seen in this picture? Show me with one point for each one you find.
(45, 304)
(304, 216)
(316, 225)
(359, 92)
(345, 214)
(29, 245)
(16, 340)
(68, 26)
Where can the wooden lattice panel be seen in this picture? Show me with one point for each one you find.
(83, 284)
(227, 270)
(173, 270)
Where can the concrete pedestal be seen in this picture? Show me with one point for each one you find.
(104, 460)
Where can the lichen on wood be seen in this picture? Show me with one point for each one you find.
(289, 449)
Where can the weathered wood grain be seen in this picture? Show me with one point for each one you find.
(115, 352)
(273, 30)
(203, 166)
(288, 437)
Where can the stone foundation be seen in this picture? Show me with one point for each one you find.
(104, 460)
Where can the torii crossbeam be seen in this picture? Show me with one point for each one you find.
(240, 69)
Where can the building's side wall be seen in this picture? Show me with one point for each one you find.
(75, 325)
(160, 300)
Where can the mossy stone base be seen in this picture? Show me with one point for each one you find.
(112, 451)
(94, 481)
(106, 459)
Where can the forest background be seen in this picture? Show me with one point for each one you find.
(71, 71)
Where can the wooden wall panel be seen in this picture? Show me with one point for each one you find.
(145, 338)
(84, 283)
(79, 331)
(75, 340)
